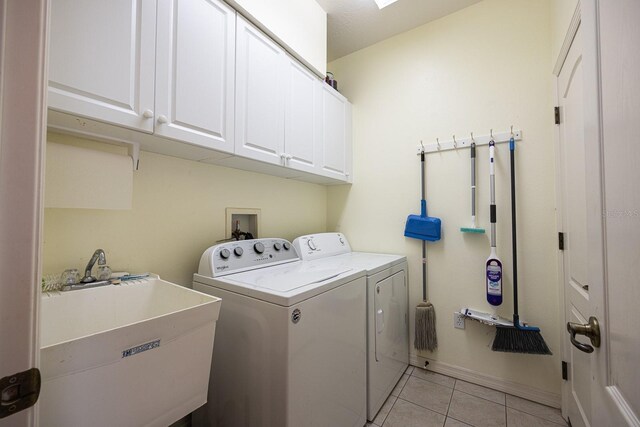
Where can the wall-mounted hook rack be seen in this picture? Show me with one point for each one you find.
(466, 142)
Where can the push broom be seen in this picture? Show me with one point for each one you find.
(424, 228)
(517, 338)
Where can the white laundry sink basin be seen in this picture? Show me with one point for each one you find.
(135, 354)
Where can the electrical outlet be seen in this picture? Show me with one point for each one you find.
(458, 320)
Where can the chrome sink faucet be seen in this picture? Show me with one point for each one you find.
(99, 256)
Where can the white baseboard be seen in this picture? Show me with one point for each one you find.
(510, 387)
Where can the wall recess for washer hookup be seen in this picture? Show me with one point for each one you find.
(240, 221)
(458, 320)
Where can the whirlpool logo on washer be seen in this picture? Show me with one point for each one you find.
(222, 267)
(296, 315)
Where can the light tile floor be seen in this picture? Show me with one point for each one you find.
(426, 399)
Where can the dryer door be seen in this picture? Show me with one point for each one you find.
(391, 337)
(388, 336)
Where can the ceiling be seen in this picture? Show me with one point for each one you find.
(356, 24)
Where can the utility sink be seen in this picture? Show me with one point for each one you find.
(134, 354)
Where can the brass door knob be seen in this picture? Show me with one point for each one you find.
(590, 330)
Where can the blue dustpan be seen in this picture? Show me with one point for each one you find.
(423, 227)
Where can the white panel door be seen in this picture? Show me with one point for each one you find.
(195, 66)
(335, 147)
(301, 118)
(574, 209)
(102, 60)
(260, 65)
(600, 103)
(23, 89)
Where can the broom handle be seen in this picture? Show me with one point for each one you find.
(512, 149)
(424, 244)
(492, 184)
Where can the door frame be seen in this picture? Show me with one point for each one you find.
(562, 56)
(23, 92)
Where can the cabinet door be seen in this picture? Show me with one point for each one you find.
(102, 60)
(259, 95)
(301, 118)
(335, 149)
(195, 65)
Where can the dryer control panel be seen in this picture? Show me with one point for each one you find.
(321, 245)
(244, 255)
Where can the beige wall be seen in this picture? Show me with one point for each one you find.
(178, 211)
(487, 66)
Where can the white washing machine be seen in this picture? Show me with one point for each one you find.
(290, 340)
(387, 309)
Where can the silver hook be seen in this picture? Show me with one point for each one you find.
(491, 133)
(455, 143)
(512, 135)
(422, 146)
(472, 140)
(438, 142)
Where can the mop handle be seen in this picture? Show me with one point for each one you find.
(424, 271)
(424, 244)
(473, 184)
(492, 178)
(512, 150)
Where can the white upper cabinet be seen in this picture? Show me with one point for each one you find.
(259, 95)
(102, 60)
(200, 80)
(195, 72)
(302, 119)
(334, 152)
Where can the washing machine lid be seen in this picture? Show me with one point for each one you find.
(335, 246)
(287, 284)
(370, 262)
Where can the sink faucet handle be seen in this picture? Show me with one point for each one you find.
(102, 258)
(99, 256)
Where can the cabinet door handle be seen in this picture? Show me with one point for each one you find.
(162, 119)
(147, 114)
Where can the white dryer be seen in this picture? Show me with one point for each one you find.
(290, 339)
(387, 309)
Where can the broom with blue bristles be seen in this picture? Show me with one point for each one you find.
(518, 338)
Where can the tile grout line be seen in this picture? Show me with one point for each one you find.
(433, 382)
(506, 419)
(537, 416)
(390, 409)
(450, 399)
(487, 400)
(421, 406)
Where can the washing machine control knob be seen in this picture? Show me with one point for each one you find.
(311, 245)
(277, 246)
(238, 251)
(258, 247)
(224, 253)
(286, 246)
